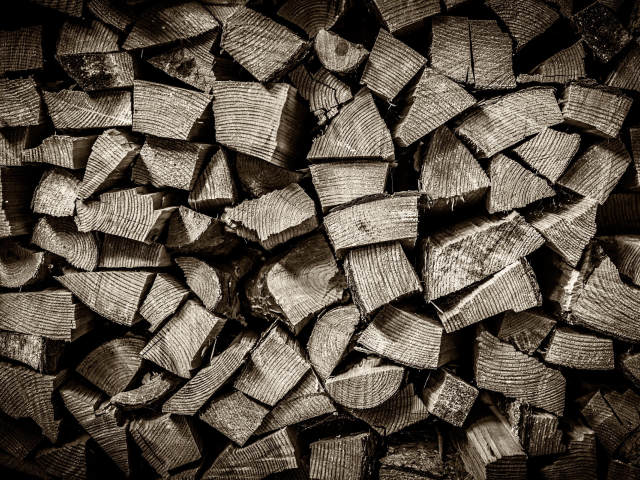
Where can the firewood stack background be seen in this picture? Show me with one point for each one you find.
(320, 239)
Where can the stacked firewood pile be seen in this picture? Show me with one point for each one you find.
(320, 239)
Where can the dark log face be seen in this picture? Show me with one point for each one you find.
(320, 239)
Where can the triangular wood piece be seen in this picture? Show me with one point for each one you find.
(19, 437)
(525, 20)
(215, 188)
(62, 150)
(56, 193)
(337, 54)
(120, 252)
(16, 140)
(155, 388)
(313, 15)
(565, 66)
(258, 177)
(624, 75)
(526, 330)
(624, 251)
(100, 71)
(351, 455)
(580, 349)
(21, 266)
(167, 294)
(70, 460)
(113, 12)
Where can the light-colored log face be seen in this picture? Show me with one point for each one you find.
(337, 54)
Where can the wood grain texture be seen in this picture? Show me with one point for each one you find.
(619, 214)
(450, 49)
(19, 436)
(61, 150)
(86, 36)
(623, 252)
(526, 330)
(449, 397)
(313, 15)
(337, 54)
(113, 12)
(21, 266)
(525, 20)
(154, 389)
(167, 294)
(575, 348)
(258, 177)
(580, 460)
(40, 353)
(56, 193)
(69, 460)
(99, 71)
(351, 457)
(76, 110)
(623, 76)
(21, 50)
(22, 103)
(564, 67)
(16, 140)
(70, 7)
(16, 192)
(491, 50)
(600, 416)
(119, 252)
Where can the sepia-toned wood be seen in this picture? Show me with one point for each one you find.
(167, 441)
(619, 214)
(620, 470)
(180, 20)
(525, 20)
(391, 66)
(261, 120)
(580, 460)
(629, 364)
(271, 454)
(115, 295)
(513, 186)
(25, 393)
(500, 122)
(66, 319)
(609, 428)
(167, 294)
(365, 385)
(623, 252)
(349, 457)
(113, 12)
(403, 16)
(491, 50)
(79, 36)
(61, 237)
(21, 266)
(623, 76)
(61, 150)
(499, 367)
(410, 339)
(601, 30)
(526, 330)
(337, 54)
(215, 188)
(192, 396)
(449, 397)
(22, 104)
(181, 344)
(565, 66)
(72, 110)
(575, 348)
(357, 132)
(70, 460)
(450, 49)
(16, 192)
(119, 252)
(313, 15)
(21, 50)
(594, 108)
(39, 353)
(631, 179)
(258, 177)
(56, 193)
(330, 338)
(19, 437)
(70, 7)
(105, 425)
(149, 394)
(16, 140)
(275, 367)
(99, 71)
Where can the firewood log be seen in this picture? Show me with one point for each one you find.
(403, 409)
(134, 213)
(115, 295)
(215, 187)
(624, 407)
(487, 446)
(481, 233)
(61, 237)
(21, 266)
(258, 177)
(623, 250)
(62, 150)
(629, 364)
(357, 132)
(25, 393)
(549, 152)
(16, 192)
(198, 234)
(235, 415)
(594, 108)
(448, 397)
(379, 274)
(105, 425)
(76, 110)
(512, 288)
(70, 460)
(264, 121)
(620, 214)
(100, 71)
(503, 121)
(623, 75)
(391, 66)
(622, 471)
(113, 12)
(215, 286)
(308, 399)
(450, 49)
(410, 339)
(274, 51)
(180, 345)
(22, 105)
(526, 330)
(330, 337)
(313, 15)
(610, 430)
(631, 178)
(113, 365)
(16, 140)
(324, 92)
(52, 313)
(19, 437)
(351, 457)
(492, 53)
(56, 193)
(499, 367)
(275, 367)
(167, 441)
(40, 353)
(367, 384)
(167, 294)
(432, 100)
(21, 50)
(149, 394)
(70, 7)
(86, 36)
(373, 219)
(634, 19)
(513, 186)
(181, 20)
(565, 66)
(601, 30)
(402, 17)
(576, 348)
(191, 397)
(271, 454)
(119, 252)
(525, 20)
(337, 54)
(172, 112)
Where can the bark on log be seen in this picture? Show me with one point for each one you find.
(167, 294)
(72, 110)
(564, 67)
(450, 49)
(351, 457)
(601, 30)
(337, 54)
(448, 397)
(526, 330)
(40, 353)
(62, 150)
